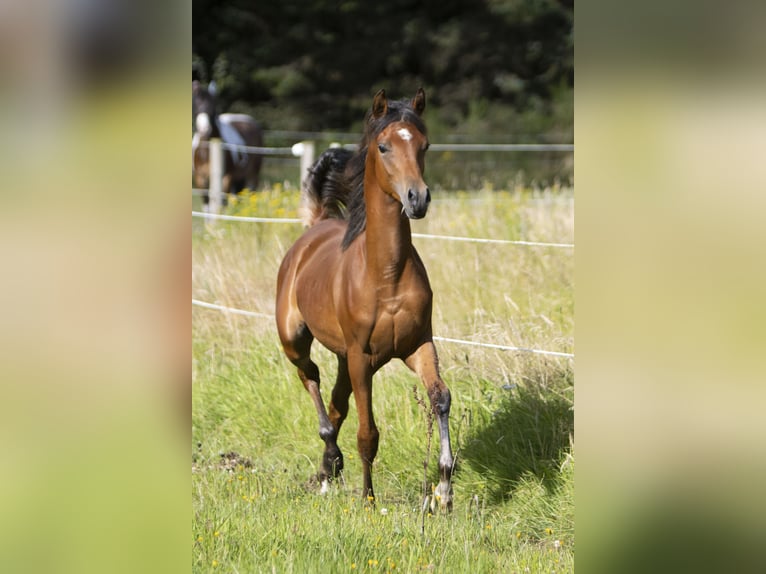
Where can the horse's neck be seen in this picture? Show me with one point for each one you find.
(216, 131)
(212, 123)
(388, 236)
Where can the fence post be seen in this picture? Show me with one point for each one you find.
(304, 150)
(215, 189)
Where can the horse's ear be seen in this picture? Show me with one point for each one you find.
(419, 102)
(379, 104)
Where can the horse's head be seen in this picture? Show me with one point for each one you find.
(397, 143)
(203, 108)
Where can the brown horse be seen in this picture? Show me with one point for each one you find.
(354, 281)
(240, 169)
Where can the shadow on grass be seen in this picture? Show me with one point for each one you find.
(527, 433)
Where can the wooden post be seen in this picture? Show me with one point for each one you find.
(215, 190)
(305, 150)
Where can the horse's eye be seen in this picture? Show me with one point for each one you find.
(382, 148)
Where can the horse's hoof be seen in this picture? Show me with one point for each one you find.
(442, 498)
(327, 481)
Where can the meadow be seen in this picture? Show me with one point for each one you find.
(255, 445)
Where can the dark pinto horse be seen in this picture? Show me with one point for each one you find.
(240, 169)
(354, 281)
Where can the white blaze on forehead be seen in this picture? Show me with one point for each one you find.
(405, 134)
(203, 123)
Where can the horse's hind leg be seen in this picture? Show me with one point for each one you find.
(226, 189)
(297, 349)
(332, 463)
(253, 170)
(425, 363)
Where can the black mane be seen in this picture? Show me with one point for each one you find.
(356, 213)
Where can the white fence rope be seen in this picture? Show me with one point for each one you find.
(289, 151)
(354, 136)
(489, 147)
(252, 149)
(231, 310)
(421, 235)
(503, 347)
(243, 218)
(500, 241)
(501, 147)
(235, 311)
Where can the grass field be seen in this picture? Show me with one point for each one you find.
(255, 442)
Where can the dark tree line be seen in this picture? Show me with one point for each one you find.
(314, 64)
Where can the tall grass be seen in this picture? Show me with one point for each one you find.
(255, 441)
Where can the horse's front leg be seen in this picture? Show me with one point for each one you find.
(426, 364)
(360, 372)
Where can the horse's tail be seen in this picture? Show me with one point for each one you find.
(325, 191)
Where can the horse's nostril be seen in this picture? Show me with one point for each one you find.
(411, 195)
(428, 195)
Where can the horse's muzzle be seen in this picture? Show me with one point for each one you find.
(417, 202)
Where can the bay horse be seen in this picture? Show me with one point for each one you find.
(240, 169)
(355, 282)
